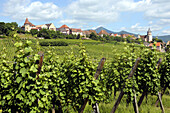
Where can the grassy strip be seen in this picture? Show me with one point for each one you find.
(123, 108)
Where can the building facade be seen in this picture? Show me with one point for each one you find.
(74, 31)
(28, 25)
(148, 37)
(51, 26)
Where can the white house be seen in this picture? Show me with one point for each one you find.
(74, 31)
(64, 29)
(51, 26)
(44, 26)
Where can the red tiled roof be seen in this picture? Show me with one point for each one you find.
(27, 22)
(93, 31)
(151, 44)
(115, 34)
(157, 44)
(75, 30)
(34, 28)
(86, 32)
(64, 26)
(103, 32)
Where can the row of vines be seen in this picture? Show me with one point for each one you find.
(45, 83)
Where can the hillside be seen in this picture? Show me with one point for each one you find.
(102, 28)
(165, 38)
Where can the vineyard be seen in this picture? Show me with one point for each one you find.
(37, 78)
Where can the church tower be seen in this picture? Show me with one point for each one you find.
(149, 35)
(28, 25)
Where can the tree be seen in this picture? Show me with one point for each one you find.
(157, 40)
(93, 36)
(6, 28)
(14, 25)
(2, 26)
(78, 36)
(33, 31)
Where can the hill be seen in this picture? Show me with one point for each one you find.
(165, 38)
(102, 28)
(109, 31)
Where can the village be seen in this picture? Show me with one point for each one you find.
(64, 29)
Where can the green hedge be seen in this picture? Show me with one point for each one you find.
(3, 36)
(53, 43)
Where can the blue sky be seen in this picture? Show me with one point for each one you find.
(135, 16)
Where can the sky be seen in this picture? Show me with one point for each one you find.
(134, 16)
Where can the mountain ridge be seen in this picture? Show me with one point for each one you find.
(165, 38)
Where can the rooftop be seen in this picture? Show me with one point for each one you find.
(64, 26)
(27, 22)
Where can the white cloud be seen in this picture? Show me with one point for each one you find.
(137, 28)
(97, 27)
(150, 22)
(123, 28)
(102, 11)
(158, 9)
(167, 31)
(107, 11)
(164, 22)
(68, 21)
(20, 9)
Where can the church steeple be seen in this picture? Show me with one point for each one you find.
(149, 35)
(27, 22)
(149, 31)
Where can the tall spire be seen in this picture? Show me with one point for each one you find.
(149, 30)
(27, 22)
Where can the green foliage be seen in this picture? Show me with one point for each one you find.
(50, 34)
(33, 31)
(7, 28)
(18, 86)
(165, 71)
(93, 36)
(53, 43)
(3, 36)
(118, 71)
(70, 79)
(147, 76)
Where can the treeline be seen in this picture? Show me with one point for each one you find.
(50, 34)
(11, 29)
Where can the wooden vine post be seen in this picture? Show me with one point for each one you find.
(99, 69)
(145, 92)
(161, 94)
(161, 105)
(135, 105)
(122, 92)
(40, 62)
